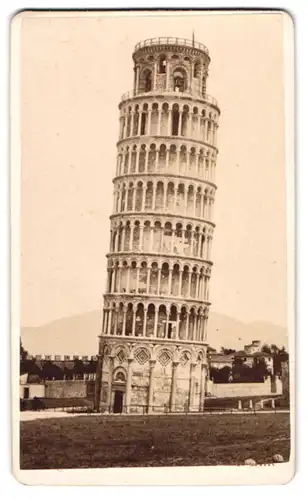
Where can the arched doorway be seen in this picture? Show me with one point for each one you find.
(118, 401)
(118, 390)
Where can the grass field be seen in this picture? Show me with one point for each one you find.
(109, 441)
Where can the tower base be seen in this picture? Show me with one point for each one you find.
(152, 377)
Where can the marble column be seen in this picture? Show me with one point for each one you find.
(131, 238)
(187, 162)
(167, 321)
(191, 386)
(139, 122)
(129, 162)
(144, 189)
(169, 131)
(124, 321)
(155, 75)
(148, 279)
(189, 124)
(134, 199)
(177, 332)
(137, 79)
(151, 385)
(167, 75)
(189, 283)
(137, 160)
(158, 280)
(112, 280)
(146, 160)
(128, 388)
(170, 280)
(145, 317)
(125, 127)
(109, 394)
(126, 199)
(202, 386)
(178, 161)
(198, 127)
(180, 124)
(116, 314)
(109, 321)
(194, 201)
(149, 120)
(155, 321)
(195, 326)
(180, 283)
(158, 132)
(134, 321)
(175, 365)
(154, 196)
(165, 197)
(187, 316)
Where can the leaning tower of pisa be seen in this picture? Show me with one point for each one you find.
(153, 341)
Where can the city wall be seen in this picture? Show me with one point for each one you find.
(69, 389)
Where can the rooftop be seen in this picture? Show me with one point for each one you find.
(220, 358)
(258, 354)
(171, 41)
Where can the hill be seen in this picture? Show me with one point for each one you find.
(78, 335)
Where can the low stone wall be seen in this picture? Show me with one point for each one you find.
(69, 388)
(265, 388)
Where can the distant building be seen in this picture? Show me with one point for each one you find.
(219, 361)
(251, 355)
(30, 387)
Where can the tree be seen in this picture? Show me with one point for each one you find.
(261, 370)
(90, 367)
(266, 348)
(79, 368)
(220, 375)
(225, 351)
(23, 352)
(51, 371)
(68, 372)
(274, 349)
(29, 366)
(279, 357)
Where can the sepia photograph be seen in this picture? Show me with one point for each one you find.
(154, 255)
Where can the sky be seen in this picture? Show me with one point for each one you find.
(73, 72)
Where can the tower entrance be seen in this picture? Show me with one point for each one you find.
(118, 402)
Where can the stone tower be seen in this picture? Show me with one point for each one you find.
(153, 345)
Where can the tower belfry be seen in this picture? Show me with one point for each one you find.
(153, 342)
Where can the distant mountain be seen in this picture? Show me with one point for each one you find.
(78, 335)
(224, 331)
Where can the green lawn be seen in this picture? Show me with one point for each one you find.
(125, 441)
